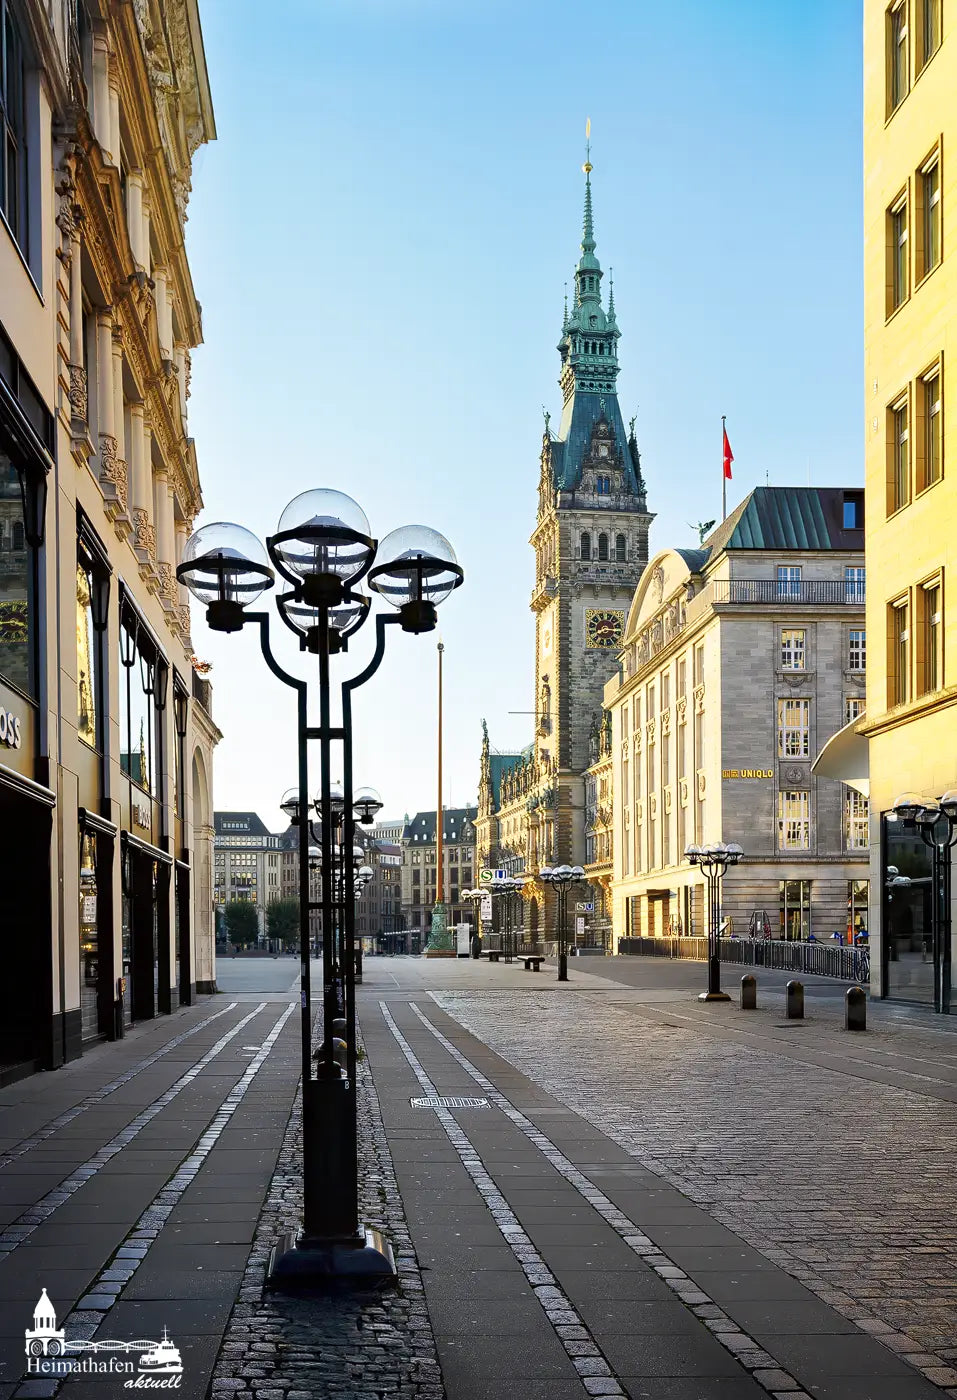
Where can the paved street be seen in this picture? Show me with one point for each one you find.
(651, 1197)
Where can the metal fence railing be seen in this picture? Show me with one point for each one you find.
(815, 959)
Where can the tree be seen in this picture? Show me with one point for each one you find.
(282, 921)
(242, 924)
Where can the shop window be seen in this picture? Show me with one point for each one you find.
(89, 949)
(794, 910)
(92, 604)
(17, 620)
(857, 896)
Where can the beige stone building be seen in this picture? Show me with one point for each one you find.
(910, 340)
(739, 659)
(106, 738)
(419, 883)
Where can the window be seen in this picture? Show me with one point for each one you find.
(856, 649)
(928, 185)
(855, 577)
(794, 821)
(13, 153)
(793, 649)
(855, 821)
(857, 896)
(853, 518)
(603, 485)
(897, 282)
(931, 660)
(853, 707)
(930, 436)
(87, 660)
(585, 545)
(794, 728)
(928, 31)
(603, 547)
(17, 619)
(621, 549)
(789, 581)
(794, 909)
(899, 669)
(899, 492)
(897, 55)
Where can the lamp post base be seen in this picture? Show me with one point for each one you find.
(361, 1263)
(713, 996)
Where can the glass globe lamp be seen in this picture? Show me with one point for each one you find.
(416, 570)
(226, 567)
(322, 545)
(366, 803)
(290, 804)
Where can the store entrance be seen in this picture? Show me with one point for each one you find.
(26, 985)
(910, 958)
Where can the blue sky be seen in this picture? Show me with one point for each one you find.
(380, 239)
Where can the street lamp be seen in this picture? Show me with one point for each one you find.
(935, 819)
(323, 548)
(714, 861)
(561, 876)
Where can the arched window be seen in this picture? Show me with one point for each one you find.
(621, 549)
(602, 546)
(586, 545)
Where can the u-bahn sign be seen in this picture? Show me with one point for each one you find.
(491, 877)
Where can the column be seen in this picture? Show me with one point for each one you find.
(163, 317)
(145, 234)
(112, 472)
(144, 536)
(163, 518)
(134, 215)
(113, 83)
(101, 90)
(179, 354)
(121, 479)
(182, 535)
(78, 385)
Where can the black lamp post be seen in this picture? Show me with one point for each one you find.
(714, 861)
(935, 820)
(561, 876)
(323, 548)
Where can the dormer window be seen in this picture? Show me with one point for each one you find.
(603, 483)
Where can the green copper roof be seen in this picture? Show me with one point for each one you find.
(499, 764)
(787, 518)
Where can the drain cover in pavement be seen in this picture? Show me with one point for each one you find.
(433, 1102)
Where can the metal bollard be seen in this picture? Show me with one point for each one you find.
(855, 1009)
(795, 1001)
(749, 993)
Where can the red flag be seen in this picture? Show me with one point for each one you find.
(728, 455)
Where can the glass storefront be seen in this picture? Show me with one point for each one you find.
(908, 943)
(794, 909)
(89, 949)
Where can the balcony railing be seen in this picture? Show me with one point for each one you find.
(784, 592)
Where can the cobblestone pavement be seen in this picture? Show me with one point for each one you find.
(282, 1348)
(848, 1185)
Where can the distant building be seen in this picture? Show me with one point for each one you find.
(391, 830)
(419, 855)
(248, 862)
(380, 923)
(739, 659)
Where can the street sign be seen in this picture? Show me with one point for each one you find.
(490, 877)
(579, 925)
(485, 908)
(583, 908)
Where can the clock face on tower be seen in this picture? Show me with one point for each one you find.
(604, 627)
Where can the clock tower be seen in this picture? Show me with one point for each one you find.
(591, 547)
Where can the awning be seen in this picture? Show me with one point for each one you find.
(845, 757)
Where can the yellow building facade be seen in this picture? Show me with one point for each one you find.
(910, 287)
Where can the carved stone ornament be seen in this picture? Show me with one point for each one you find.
(795, 775)
(699, 699)
(657, 586)
(184, 619)
(681, 709)
(78, 393)
(167, 583)
(701, 784)
(665, 722)
(113, 477)
(144, 536)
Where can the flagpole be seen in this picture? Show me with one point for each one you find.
(724, 474)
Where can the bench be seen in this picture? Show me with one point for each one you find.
(494, 955)
(533, 963)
